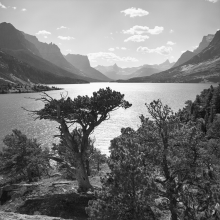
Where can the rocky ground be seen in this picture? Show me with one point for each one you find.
(53, 197)
(15, 216)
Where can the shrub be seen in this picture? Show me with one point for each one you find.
(23, 158)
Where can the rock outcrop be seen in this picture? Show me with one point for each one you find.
(51, 52)
(83, 64)
(16, 216)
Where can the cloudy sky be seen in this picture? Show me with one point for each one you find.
(126, 32)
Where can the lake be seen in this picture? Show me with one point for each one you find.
(12, 116)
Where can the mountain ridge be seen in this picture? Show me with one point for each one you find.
(13, 70)
(17, 46)
(51, 52)
(203, 67)
(83, 64)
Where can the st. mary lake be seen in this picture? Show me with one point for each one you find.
(13, 116)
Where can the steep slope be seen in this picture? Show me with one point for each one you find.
(206, 40)
(13, 39)
(203, 67)
(189, 54)
(14, 70)
(16, 45)
(51, 52)
(184, 58)
(83, 64)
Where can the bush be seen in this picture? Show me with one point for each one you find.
(23, 158)
(125, 192)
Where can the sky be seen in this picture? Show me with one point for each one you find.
(126, 32)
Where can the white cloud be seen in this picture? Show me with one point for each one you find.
(69, 50)
(171, 31)
(183, 51)
(163, 50)
(2, 6)
(111, 49)
(117, 48)
(137, 38)
(62, 27)
(123, 48)
(43, 32)
(170, 43)
(24, 9)
(213, 1)
(133, 12)
(218, 29)
(143, 30)
(45, 37)
(66, 38)
(109, 57)
(14, 8)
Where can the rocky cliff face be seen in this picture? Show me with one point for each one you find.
(13, 70)
(203, 67)
(184, 57)
(51, 52)
(189, 54)
(11, 38)
(13, 42)
(82, 63)
(205, 43)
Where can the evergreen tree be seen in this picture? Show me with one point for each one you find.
(23, 158)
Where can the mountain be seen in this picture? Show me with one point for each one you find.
(148, 70)
(206, 40)
(164, 66)
(83, 64)
(189, 54)
(115, 72)
(13, 42)
(51, 52)
(203, 67)
(13, 70)
(13, 39)
(184, 57)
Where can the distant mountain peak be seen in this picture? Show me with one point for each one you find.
(166, 62)
(204, 43)
(115, 67)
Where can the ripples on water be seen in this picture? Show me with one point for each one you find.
(12, 116)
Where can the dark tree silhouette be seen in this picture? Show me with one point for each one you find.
(88, 112)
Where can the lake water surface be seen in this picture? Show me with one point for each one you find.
(12, 116)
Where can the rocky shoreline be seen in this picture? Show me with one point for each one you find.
(16, 216)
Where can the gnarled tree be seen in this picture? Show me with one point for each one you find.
(88, 112)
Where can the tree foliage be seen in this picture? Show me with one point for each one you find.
(88, 113)
(125, 192)
(178, 162)
(23, 158)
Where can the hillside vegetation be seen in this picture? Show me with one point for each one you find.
(169, 168)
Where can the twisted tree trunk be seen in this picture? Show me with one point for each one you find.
(81, 175)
